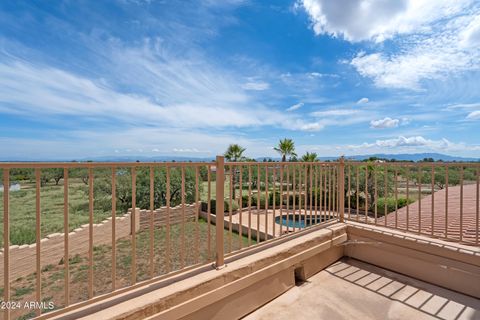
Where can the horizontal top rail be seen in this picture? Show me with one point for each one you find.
(46, 165)
(415, 164)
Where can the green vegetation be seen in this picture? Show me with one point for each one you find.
(286, 147)
(53, 275)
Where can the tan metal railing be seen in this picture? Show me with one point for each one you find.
(439, 200)
(255, 202)
(172, 208)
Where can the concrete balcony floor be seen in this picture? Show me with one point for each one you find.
(350, 289)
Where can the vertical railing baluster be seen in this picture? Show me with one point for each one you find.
(197, 213)
(288, 198)
(281, 199)
(375, 186)
(274, 182)
(6, 240)
(329, 186)
(182, 245)
(230, 212)
(433, 199)
(114, 232)
(396, 196)
(461, 203)
(311, 194)
(477, 209)
(90, 233)
(219, 210)
(341, 188)
(294, 180)
(258, 202)
(366, 193)
(249, 205)
(66, 230)
(266, 202)
(348, 193)
(300, 183)
(407, 177)
(420, 172)
(209, 208)
(316, 192)
(152, 230)
(38, 236)
(240, 207)
(325, 191)
(167, 231)
(134, 227)
(385, 193)
(446, 202)
(358, 193)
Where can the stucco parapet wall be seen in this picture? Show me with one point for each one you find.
(455, 267)
(173, 291)
(445, 249)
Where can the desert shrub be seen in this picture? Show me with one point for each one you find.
(402, 202)
(213, 206)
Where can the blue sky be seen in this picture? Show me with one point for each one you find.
(131, 77)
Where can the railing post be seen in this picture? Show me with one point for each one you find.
(341, 187)
(219, 209)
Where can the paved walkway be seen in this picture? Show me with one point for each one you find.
(350, 289)
(434, 220)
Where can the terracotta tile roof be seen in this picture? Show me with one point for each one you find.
(469, 223)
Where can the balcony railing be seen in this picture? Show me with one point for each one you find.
(110, 227)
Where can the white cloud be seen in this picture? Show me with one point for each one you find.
(470, 36)
(414, 144)
(433, 39)
(185, 150)
(40, 91)
(256, 86)
(312, 127)
(446, 46)
(334, 112)
(474, 115)
(363, 101)
(295, 107)
(377, 19)
(384, 123)
(463, 106)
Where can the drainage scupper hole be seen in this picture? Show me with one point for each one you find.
(299, 275)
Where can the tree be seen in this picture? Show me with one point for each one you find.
(234, 153)
(286, 147)
(57, 175)
(103, 188)
(309, 157)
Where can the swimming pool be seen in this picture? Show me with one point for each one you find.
(299, 220)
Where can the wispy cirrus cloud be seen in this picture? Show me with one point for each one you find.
(474, 115)
(295, 107)
(363, 101)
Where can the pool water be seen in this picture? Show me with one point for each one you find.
(299, 220)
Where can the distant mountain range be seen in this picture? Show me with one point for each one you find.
(414, 157)
(399, 157)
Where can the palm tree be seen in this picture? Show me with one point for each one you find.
(310, 157)
(234, 153)
(286, 147)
